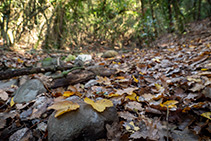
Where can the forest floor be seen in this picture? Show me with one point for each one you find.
(159, 92)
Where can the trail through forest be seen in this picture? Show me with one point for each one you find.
(160, 93)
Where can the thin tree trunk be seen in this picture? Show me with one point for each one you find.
(194, 10)
(153, 16)
(178, 16)
(142, 8)
(199, 10)
(170, 28)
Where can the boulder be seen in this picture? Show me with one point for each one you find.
(83, 124)
(28, 91)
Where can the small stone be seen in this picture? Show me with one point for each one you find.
(109, 54)
(84, 57)
(42, 126)
(28, 91)
(83, 124)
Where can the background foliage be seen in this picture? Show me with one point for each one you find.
(58, 24)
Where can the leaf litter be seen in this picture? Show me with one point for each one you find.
(149, 85)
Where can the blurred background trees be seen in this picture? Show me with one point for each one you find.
(59, 24)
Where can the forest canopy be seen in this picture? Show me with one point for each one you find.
(59, 24)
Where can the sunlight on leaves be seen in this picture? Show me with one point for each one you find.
(99, 105)
(63, 107)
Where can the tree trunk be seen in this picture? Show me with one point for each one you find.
(142, 8)
(170, 28)
(153, 16)
(199, 10)
(178, 16)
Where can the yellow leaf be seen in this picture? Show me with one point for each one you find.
(68, 93)
(19, 60)
(112, 95)
(141, 73)
(169, 103)
(113, 62)
(131, 127)
(206, 115)
(136, 80)
(62, 107)
(203, 69)
(120, 77)
(131, 97)
(99, 105)
(12, 103)
(159, 87)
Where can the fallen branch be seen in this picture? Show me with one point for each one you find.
(80, 76)
(18, 72)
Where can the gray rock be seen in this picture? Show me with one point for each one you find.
(90, 83)
(8, 83)
(84, 124)
(84, 57)
(28, 91)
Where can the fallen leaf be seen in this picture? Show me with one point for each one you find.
(145, 97)
(128, 91)
(99, 105)
(112, 95)
(63, 107)
(12, 103)
(206, 115)
(135, 80)
(131, 97)
(131, 127)
(103, 80)
(170, 104)
(68, 93)
(126, 115)
(134, 106)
